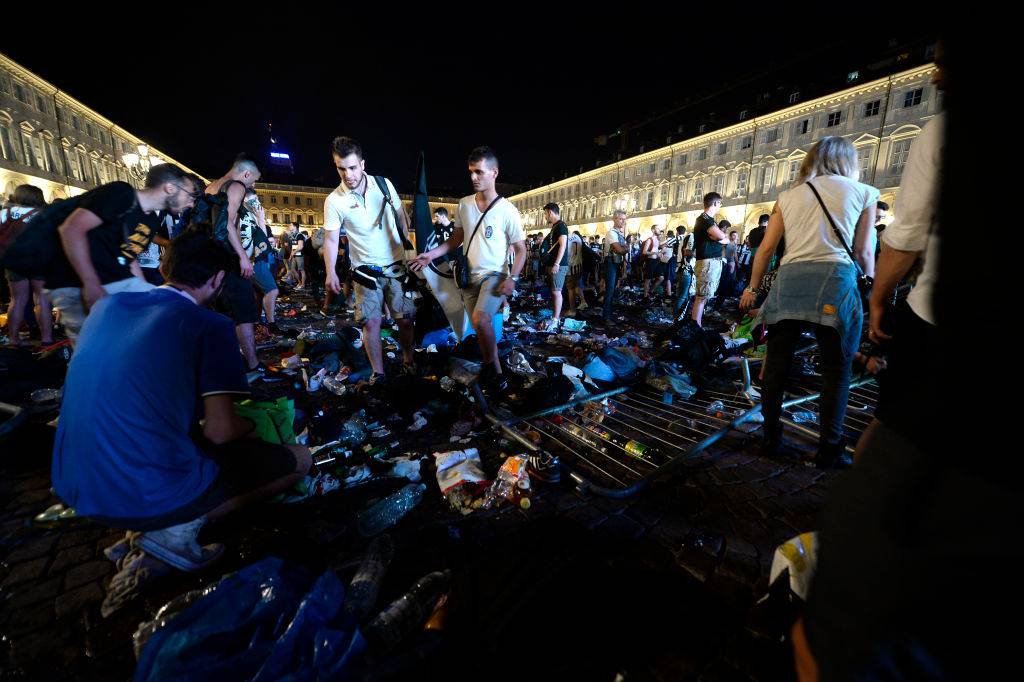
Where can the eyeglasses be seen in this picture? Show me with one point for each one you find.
(195, 193)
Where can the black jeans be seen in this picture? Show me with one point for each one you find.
(783, 338)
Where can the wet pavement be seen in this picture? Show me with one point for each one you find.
(577, 586)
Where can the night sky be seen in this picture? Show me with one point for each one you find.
(539, 103)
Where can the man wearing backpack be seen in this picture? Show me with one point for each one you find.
(369, 210)
(103, 237)
(24, 286)
(238, 298)
(685, 258)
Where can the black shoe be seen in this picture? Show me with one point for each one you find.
(545, 467)
(274, 329)
(830, 456)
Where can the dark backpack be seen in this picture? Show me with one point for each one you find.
(589, 257)
(210, 207)
(11, 228)
(30, 251)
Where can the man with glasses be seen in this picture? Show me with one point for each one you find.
(104, 236)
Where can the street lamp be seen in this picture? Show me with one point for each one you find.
(138, 165)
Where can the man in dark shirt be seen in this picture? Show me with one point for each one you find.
(104, 236)
(708, 240)
(754, 240)
(556, 260)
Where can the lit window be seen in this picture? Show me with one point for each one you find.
(852, 76)
(900, 152)
(913, 97)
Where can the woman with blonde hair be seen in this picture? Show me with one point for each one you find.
(825, 221)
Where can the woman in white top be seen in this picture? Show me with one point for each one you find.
(816, 285)
(26, 285)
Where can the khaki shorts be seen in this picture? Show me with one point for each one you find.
(68, 300)
(370, 302)
(709, 273)
(482, 295)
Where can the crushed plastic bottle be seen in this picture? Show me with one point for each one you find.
(447, 384)
(406, 614)
(805, 417)
(46, 395)
(512, 484)
(390, 510)
(353, 431)
(335, 385)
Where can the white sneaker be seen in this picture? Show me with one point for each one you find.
(177, 546)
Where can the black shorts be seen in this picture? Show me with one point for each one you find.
(238, 299)
(653, 269)
(246, 464)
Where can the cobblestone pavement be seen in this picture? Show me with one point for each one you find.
(712, 528)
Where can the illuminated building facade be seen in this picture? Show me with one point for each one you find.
(53, 141)
(748, 163)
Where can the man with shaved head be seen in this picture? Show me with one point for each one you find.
(238, 297)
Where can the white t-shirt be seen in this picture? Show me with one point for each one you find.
(14, 212)
(613, 236)
(575, 251)
(501, 228)
(348, 211)
(913, 228)
(809, 235)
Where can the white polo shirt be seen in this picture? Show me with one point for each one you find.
(351, 213)
(501, 228)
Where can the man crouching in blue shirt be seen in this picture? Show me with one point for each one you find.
(130, 450)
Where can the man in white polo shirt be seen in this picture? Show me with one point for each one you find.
(376, 226)
(489, 225)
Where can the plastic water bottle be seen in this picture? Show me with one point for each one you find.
(362, 591)
(407, 613)
(390, 510)
(353, 431)
(804, 417)
(47, 395)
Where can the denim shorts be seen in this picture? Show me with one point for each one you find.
(263, 277)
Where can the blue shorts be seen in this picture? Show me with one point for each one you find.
(263, 276)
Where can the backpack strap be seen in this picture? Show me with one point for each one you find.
(382, 184)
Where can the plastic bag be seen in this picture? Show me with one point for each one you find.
(461, 478)
(598, 369)
(800, 556)
(664, 377)
(622, 361)
(273, 420)
(267, 621)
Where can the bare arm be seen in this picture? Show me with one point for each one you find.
(618, 248)
(864, 241)
(562, 242)
(331, 239)
(425, 258)
(508, 285)
(235, 196)
(893, 265)
(717, 234)
(222, 425)
(74, 238)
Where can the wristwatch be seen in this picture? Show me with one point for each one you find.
(754, 291)
(514, 278)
